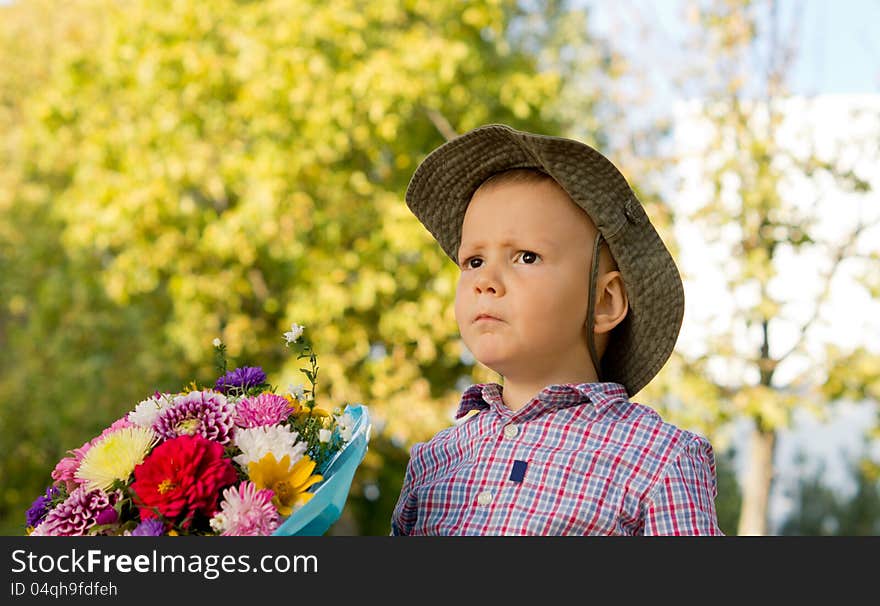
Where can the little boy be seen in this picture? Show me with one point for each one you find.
(568, 292)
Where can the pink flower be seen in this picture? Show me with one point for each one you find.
(78, 513)
(246, 511)
(65, 470)
(265, 409)
(117, 425)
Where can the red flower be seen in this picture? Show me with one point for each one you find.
(181, 478)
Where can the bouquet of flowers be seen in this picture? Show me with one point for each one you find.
(235, 458)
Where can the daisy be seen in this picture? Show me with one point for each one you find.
(289, 483)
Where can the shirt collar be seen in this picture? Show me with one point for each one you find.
(481, 396)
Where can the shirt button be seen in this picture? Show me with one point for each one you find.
(511, 431)
(484, 498)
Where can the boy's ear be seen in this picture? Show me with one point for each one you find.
(612, 304)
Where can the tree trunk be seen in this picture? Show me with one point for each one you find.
(756, 490)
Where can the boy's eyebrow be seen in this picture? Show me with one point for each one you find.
(538, 242)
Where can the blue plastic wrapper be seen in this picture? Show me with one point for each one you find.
(321, 512)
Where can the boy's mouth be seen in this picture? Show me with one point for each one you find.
(487, 318)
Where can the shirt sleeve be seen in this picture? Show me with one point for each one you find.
(683, 501)
(406, 511)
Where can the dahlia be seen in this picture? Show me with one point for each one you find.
(181, 479)
(82, 510)
(204, 413)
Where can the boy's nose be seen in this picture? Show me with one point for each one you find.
(488, 282)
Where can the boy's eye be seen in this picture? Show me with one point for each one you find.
(527, 257)
(473, 263)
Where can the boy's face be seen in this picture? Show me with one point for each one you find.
(521, 302)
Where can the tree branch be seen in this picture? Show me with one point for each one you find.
(441, 124)
(839, 256)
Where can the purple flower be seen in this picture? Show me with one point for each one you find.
(40, 507)
(204, 413)
(244, 377)
(77, 514)
(149, 528)
(107, 516)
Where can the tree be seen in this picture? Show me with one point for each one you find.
(180, 171)
(757, 367)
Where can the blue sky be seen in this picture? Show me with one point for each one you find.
(836, 41)
(840, 48)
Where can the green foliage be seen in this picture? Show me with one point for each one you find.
(821, 511)
(729, 500)
(173, 172)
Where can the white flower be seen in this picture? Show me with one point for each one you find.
(298, 392)
(146, 413)
(217, 342)
(346, 426)
(218, 523)
(324, 435)
(255, 443)
(294, 333)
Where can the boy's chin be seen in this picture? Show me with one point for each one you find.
(498, 364)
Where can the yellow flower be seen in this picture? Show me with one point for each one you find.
(289, 483)
(315, 412)
(293, 403)
(115, 457)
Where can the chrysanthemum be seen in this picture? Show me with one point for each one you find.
(147, 411)
(114, 457)
(65, 471)
(265, 409)
(246, 511)
(82, 510)
(242, 378)
(279, 440)
(289, 483)
(204, 413)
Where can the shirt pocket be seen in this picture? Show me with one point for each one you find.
(561, 498)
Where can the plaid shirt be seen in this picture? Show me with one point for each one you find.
(579, 459)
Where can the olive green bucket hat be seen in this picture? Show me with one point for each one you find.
(443, 184)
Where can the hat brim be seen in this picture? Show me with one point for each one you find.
(443, 184)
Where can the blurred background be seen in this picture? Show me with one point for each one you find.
(175, 171)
